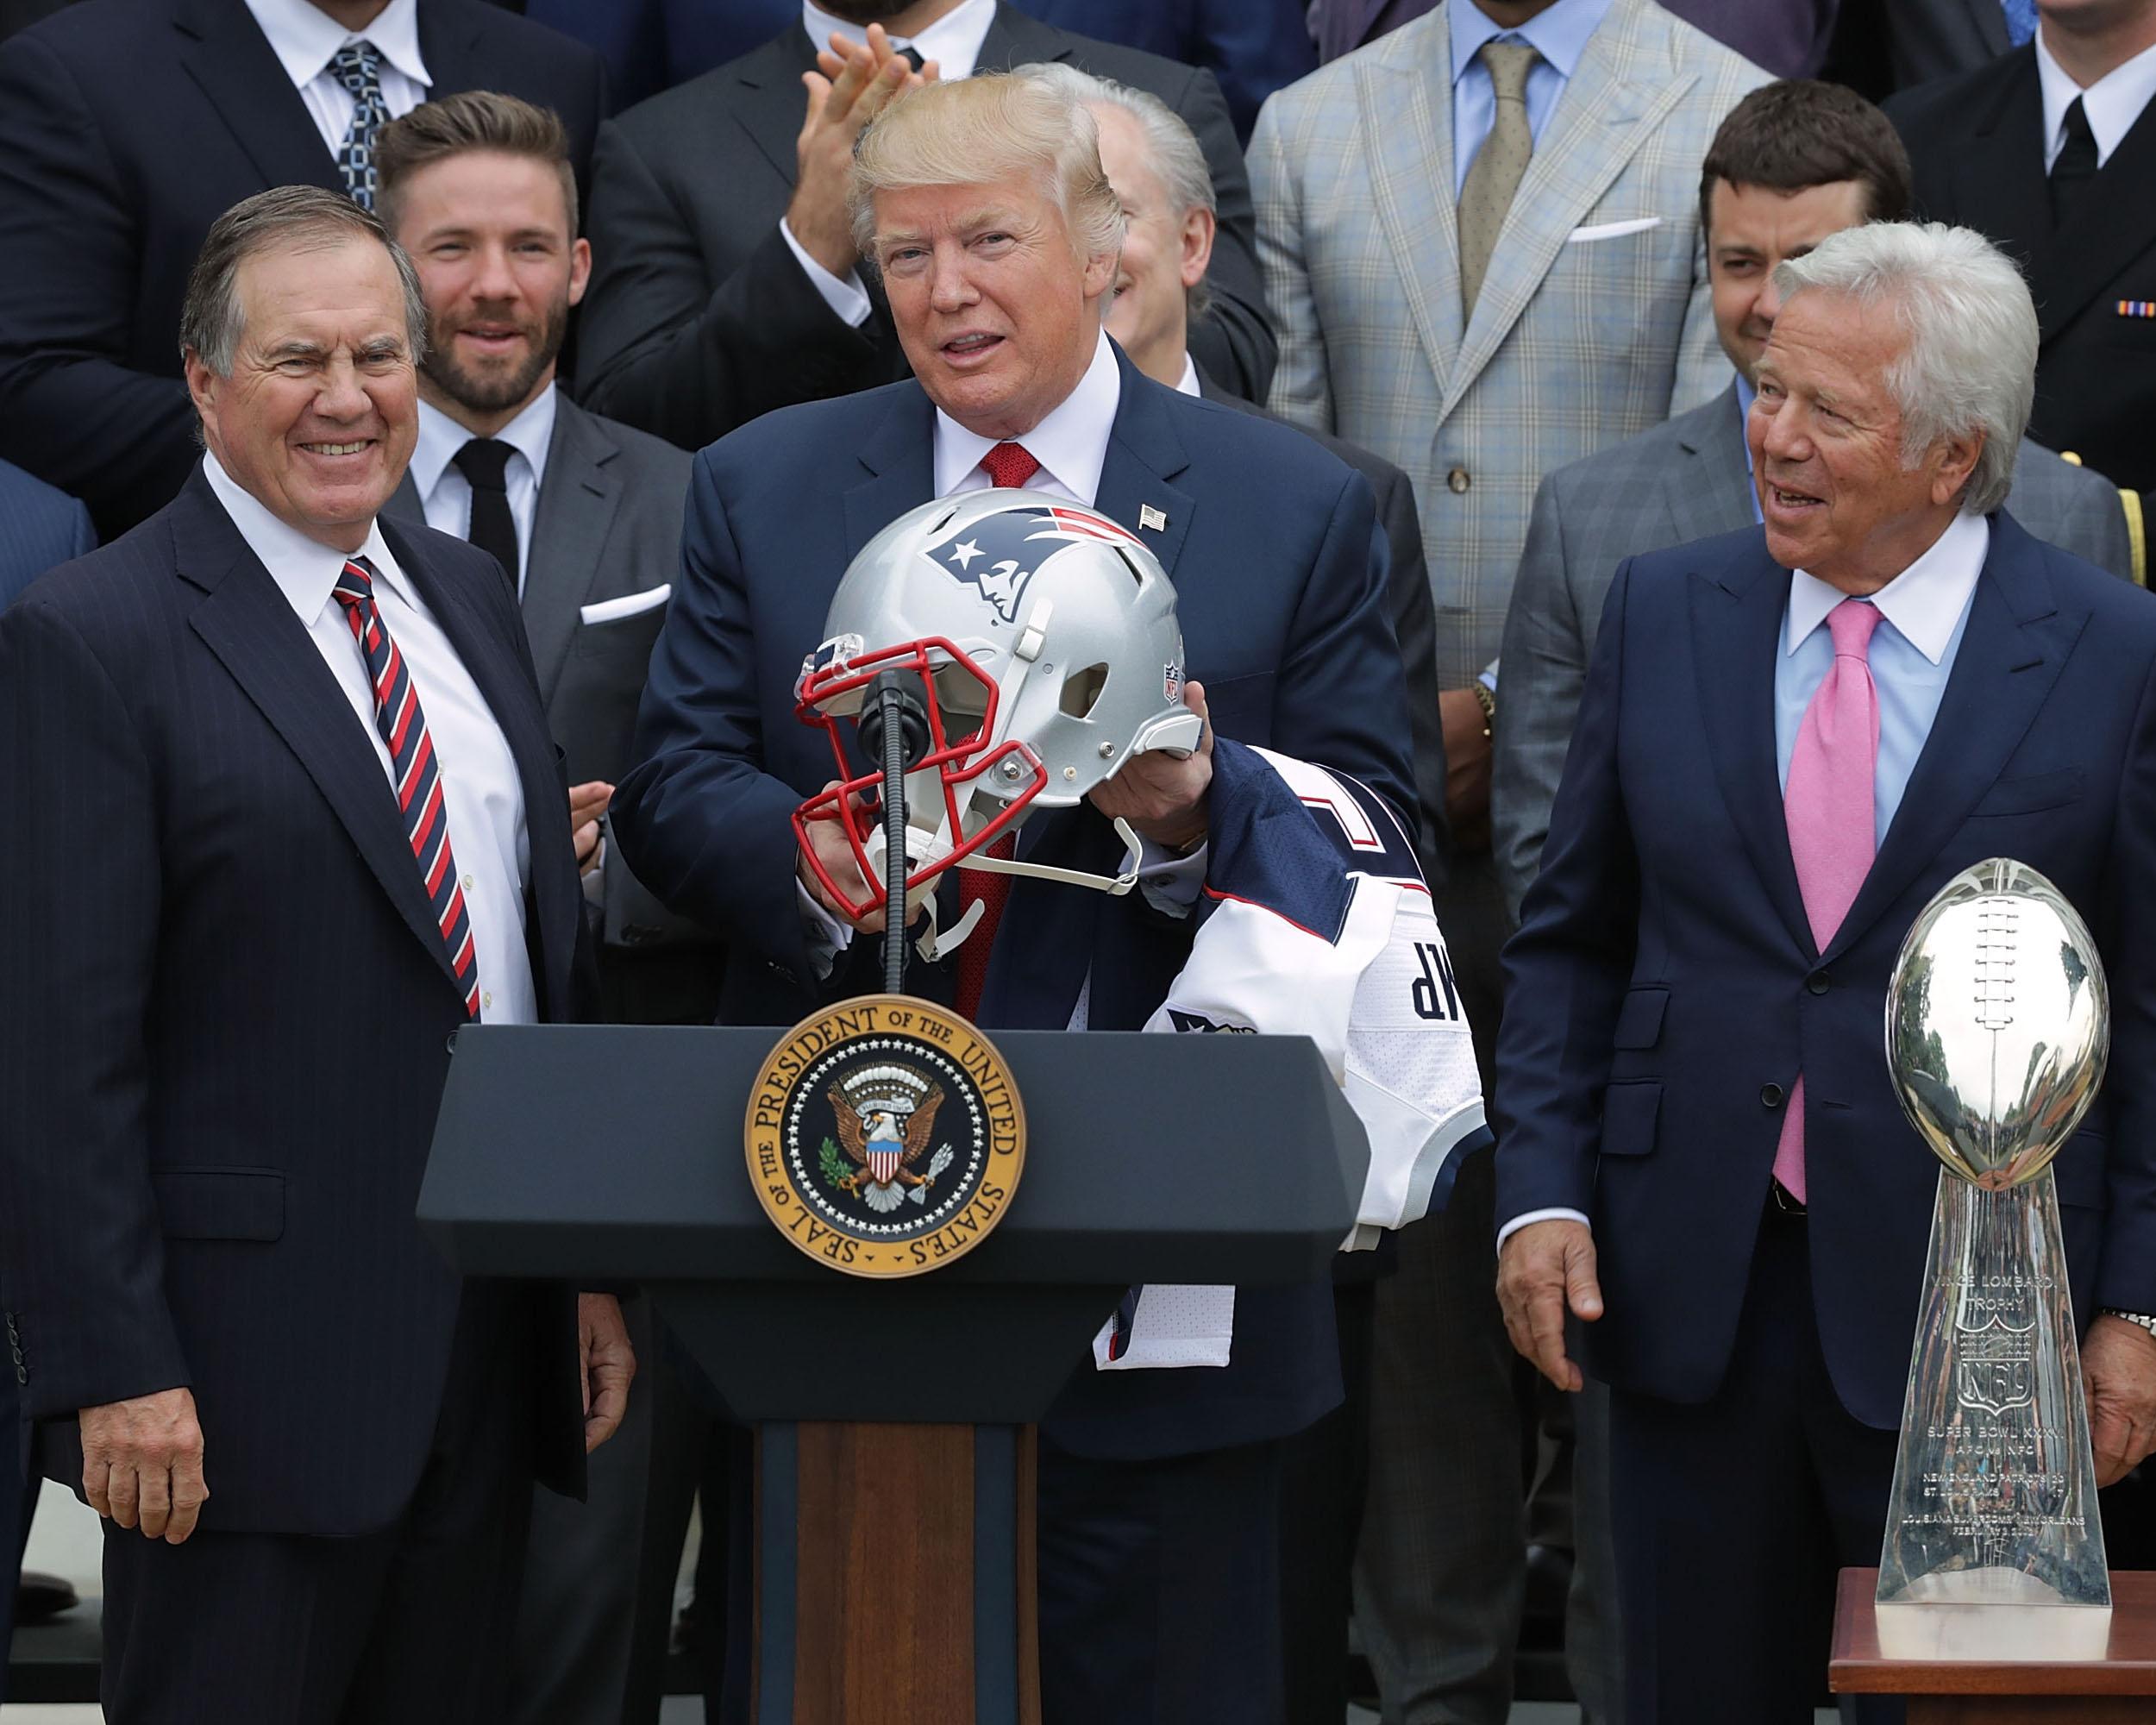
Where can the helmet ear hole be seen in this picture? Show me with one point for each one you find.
(1083, 691)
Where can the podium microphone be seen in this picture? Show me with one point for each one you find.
(893, 724)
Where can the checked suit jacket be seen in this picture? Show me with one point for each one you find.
(1682, 481)
(1592, 322)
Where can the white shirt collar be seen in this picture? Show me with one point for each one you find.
(953, 41)
(1187, 383)
(304, 569)
(306, 39)
(530, 433)
(1924, 602)
(1071, 443)
(2112, 103)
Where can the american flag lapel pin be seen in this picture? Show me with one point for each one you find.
(1151, 520)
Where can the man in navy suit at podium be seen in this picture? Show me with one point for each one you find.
(1158, 1584)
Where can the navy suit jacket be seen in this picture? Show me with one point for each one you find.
(40, 527)
(231, 1015)
(127, 127)
(1280, 577)
(1663, 991)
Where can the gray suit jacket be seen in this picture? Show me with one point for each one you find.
(1684, 480)
(608, 527)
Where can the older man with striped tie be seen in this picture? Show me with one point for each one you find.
(289, 817)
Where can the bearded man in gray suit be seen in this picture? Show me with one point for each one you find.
(585, 517)
(1793, 163)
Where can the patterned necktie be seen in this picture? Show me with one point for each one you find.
(358, 67)
(1832, 812)
(2020, 21)
(484, 461)
(1007, 465)
(414, 773)
(1486, 193)
(2074, 166)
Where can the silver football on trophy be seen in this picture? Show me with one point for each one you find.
(1998, 1023)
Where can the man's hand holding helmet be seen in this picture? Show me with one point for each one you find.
(1161, 793)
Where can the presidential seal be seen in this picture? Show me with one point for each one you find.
(884, 1136)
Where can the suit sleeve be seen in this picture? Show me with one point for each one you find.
(1254, 47)
(82, 1250)
(1702, 365)
(699, 820)
(77, 417)
(1566, 969)
(1341, 698)
(1233, 341)
(665, 349)
(1300, 390)
(1415, 623)
(2126, 1275)
(1544, 658)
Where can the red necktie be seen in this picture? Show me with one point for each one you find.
(1009, 465)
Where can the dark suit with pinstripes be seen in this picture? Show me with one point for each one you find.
(230, 1007)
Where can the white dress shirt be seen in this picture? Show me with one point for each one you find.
(954, 42)
(2112, 103)
(306, 39)
(1925, 609)
(446, 495)
(481, 793)
(1187, 383)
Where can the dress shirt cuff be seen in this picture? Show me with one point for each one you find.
(1556, 1215)
(848, 299)
(1170, 881)
(827, 937)
(595, 877)
(1488, 678)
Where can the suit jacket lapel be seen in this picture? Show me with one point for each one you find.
(224, 51)
(1712, 492)
(2014, 646)
(1737, 616)
(1145, 454)
(1614, 101)
(1999, 181)
(247, 622)
(577, 507)
(899, 456)
(767, 100)
(1407, 115)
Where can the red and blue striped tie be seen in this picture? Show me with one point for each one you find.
(415, 774)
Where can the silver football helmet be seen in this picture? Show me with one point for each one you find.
(1044, 640)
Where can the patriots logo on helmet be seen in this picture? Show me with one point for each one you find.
(996, 554)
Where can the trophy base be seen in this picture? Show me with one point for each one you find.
(1991, 1615)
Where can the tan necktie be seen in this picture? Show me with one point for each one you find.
(1488, 191)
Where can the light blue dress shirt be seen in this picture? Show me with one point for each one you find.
(1925, 610)
(1745, 393)
(1558, 36)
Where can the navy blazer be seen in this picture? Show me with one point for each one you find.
(1280, 575)
(1663, 991)
(127, 127)
(230, 1015)
(40, 527)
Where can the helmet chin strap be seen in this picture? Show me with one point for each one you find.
(933, 945)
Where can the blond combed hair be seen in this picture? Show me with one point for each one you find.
(985, 128)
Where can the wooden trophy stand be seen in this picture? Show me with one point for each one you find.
(895, 1476)
(2120, 1689)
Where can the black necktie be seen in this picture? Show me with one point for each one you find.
(2075, 167)
(484, 461)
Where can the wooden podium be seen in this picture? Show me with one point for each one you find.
(2119, 1689)
(894, 1461)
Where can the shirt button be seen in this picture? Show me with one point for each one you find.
(468, 883)
(1457, 480)
(1770, 1095)
(486, 1000)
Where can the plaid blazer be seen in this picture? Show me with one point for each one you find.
(1593, 323)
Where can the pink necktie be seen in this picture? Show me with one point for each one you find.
(1830, 810)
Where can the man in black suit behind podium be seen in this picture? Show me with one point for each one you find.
(297, 820)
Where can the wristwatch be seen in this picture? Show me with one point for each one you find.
(1488, 702)
(2140, 1321)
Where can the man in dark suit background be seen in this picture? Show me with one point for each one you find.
(726, 281)
(585, 516)
(2050, 151)
(295, 759)
(1789, 741)
(39, 528)
(125, 127)
(996, 289)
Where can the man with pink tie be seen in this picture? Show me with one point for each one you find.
(1792, 737)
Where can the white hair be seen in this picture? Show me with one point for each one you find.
(1969, 366)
